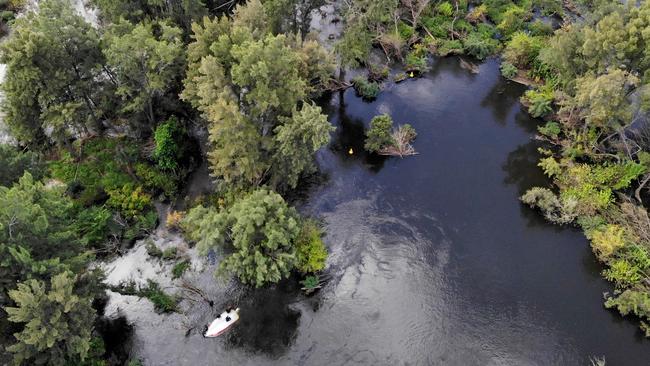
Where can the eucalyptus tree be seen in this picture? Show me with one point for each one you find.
(55, 75)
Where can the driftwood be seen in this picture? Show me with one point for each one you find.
(402, 146)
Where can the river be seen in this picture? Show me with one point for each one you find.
(433, 260)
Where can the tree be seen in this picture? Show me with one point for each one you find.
(168, 151)
(296, 140)
(53, 80)
(57, 321)
(15, 162)
(146, 59)
(260, 229)
(379, 135)
(248, 83)
(181, 12)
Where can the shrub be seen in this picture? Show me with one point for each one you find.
(379, 133)
(607, 240)
(174, 219)
(92, 225)
(414, 61)
(554, 210)
(155, 180)
(128, 200)
(477, 14)
(479, 46)
(162, 302)
(445, 9)
(366, 89)
(540, 101)
(167, 151)
(310, 249)
(522, 49)
(622, 273)
(405, 31)
(179, 269)
(153, 250)
(635, 302)
(14, 163)
(508, 70)
(170, 253)
(512, 20)
(438, 26)
(550, 129)
(448, 47)
(540, 28)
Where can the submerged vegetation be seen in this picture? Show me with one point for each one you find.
(384, 139)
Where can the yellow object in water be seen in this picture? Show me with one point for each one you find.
(411, 74)
(350, 151)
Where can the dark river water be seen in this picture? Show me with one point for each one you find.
(433, 259)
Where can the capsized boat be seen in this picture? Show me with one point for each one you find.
(222, 323)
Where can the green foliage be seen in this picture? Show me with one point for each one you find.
(539, 28)
(623, 273)
(449, 47)
(445, 9)
(15, 162)
(181, 12)
(179, 269)
(512, 20)
(438, 26)
(631, 302)
(154, 180)
(480, 46)
(51, 51)
(366, 89)
(606, 240)
(57, 322)
(153, 250)
(167, 151)
(555, 209)
(311, 282)
(540, 101)
(261, 229)
(297, 139)
(508, 70)
(522, 49)
(311, 253)
(550, 129)
(162, 302)
(146, 59)
(405, 31)
(379, 135)
(92, 225)
(170, 253)
(129, 200)
(102, 165)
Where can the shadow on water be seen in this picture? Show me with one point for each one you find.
(270, 324)
(501, 97)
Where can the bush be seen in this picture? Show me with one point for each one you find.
(153, 250)
(623, 273)
(14, 163)
(170, 253)
(130, 201)
(449, 47)
(522, 49)
(417, 62)
(92, 225)
(540, 29)
(438, 26)
(174, 219)
(508, 70)
(607, 240)
(167, 151)
(479, 46)
(512, 20)
(540, 101)
(310, 250)
(155, 180)
(162, 302)
(379, 135)
(405, 31)
(477, 14)
(554, 210)
(550, 129)
(445, 9)
(179, 269)
(366, 89)
(635, 302)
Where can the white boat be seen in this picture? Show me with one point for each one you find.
(222, 323)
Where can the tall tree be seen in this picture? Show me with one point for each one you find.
(261, 229)
(57, 321)
(147, 60)
(54, 62)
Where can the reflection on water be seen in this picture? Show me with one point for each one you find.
(433, 259)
